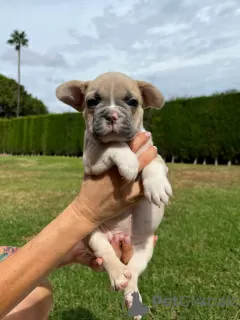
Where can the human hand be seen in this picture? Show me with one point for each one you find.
(108, 195)
(82, 254)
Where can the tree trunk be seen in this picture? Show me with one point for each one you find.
(18, 92)
(195, 161)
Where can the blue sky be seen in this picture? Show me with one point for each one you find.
(185, 47)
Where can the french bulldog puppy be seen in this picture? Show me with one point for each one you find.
(113, 106)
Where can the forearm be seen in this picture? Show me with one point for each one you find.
(25, 269)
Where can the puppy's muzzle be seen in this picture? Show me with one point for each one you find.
(111, 117)
(113, 121)
(106, 121)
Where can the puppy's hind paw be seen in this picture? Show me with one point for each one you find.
(119, 278)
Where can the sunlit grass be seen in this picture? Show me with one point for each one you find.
(197, 254)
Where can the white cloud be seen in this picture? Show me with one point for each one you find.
(204, 15)
(168, 29)
(31, 58)
(186, 47)
(225, 8)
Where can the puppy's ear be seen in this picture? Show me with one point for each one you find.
(152, 97)
(72, 93)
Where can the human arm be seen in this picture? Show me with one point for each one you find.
(26, 268)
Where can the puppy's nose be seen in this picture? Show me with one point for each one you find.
(112, 117)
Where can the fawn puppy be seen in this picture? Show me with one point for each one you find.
(113, 106)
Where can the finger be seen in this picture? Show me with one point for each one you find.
(115, 242)
(146, 157)
(127, 250)
(99, 261)
(139, 140)
(95, 266)
(87, 259)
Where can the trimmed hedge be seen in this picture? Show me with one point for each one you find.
(187, 129)
(55, 134)
(198, 128)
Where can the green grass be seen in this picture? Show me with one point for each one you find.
(197, 255)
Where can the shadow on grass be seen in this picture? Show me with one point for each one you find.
(77, 314)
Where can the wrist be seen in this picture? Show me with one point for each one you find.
(85, 211)
(79, 217)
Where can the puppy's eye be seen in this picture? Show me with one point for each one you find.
(92, 102)
(132, 102)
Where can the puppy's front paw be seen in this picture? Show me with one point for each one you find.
(157, 189)
(128, 167)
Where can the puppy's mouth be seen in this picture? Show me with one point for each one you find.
(113, 127)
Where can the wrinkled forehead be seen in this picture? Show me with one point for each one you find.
(117, 88)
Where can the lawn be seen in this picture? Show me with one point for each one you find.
(198, 252)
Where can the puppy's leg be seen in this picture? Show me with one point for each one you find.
(126, 161)
(97, 160)
(157, 188)
(117, 271)
(141, 256)
(146, 219)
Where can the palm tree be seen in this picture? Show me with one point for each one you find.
(18, 39)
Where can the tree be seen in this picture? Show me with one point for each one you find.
(18, 39)
(29, 105)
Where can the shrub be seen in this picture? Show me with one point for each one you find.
(186, 128)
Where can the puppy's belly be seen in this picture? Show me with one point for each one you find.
(120, 224)
(140, 222)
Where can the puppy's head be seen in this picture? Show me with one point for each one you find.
(112, 104)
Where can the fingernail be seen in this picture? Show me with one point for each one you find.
(155, 147)
(99, 261)
(127, 240)
(148, 134)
